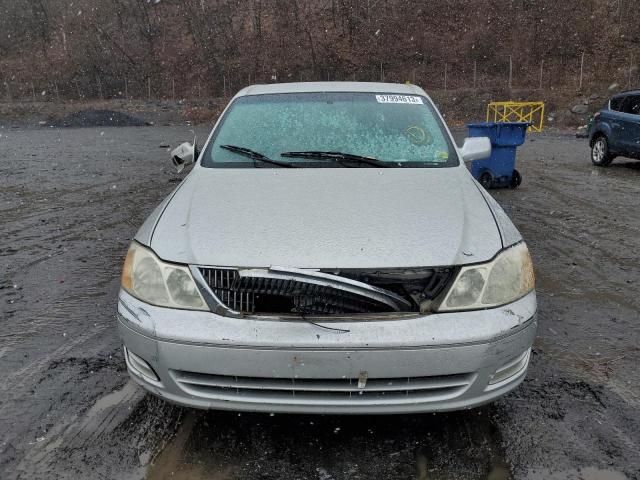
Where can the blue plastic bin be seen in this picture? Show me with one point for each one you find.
(499, 169)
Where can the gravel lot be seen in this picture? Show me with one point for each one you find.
(71, 200)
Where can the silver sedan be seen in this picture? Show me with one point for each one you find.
(328, 252)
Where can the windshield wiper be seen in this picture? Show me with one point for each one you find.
(338, 156)
(252, 154)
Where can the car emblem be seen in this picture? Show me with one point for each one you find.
(362, 380)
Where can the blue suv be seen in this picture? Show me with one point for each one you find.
(615, 130)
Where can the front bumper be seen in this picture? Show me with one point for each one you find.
(436, 362)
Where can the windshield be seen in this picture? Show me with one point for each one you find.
(400, 130)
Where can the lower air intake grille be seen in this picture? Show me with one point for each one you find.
(341, 391)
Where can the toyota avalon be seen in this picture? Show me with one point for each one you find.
(328, 252)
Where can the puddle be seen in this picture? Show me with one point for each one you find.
(170, 463)
(106, 414)
(125, 395)
(223, 445)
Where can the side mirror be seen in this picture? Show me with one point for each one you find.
(184, 154)
(475, 148)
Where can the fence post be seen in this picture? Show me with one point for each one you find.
(99, 88)
(475, 73)
(33, 91)
(173, 89)
(55, 84)
(445, 76)
(77, 88)
(199, 90)
(620, 10)
(541, 70)
(149, 89)
(381, 72)
(581, 70)
(510, 72)
(126, 89)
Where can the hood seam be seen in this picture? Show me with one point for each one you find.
(175, 192)
(493, 215)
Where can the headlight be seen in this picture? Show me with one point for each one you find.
(151, 280)
(506, 278)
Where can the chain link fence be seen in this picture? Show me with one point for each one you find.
(580, 77)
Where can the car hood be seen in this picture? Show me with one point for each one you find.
(327, 218)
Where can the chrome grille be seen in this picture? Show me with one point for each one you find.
(221, 281)
(308, 297)
(264, 295)
(325, 391)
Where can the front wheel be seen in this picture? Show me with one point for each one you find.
(516, 179)
(600, 155)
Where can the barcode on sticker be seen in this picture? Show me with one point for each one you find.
(398, 99)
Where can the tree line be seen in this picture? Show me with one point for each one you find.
(213, 47)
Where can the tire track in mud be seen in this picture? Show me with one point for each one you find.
(76, 432)
(585, 239)
(27, 376)
(68, 230)
(573, 225)
(80, 224)
(85, 442)
(543, 217)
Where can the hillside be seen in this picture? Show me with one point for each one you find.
(174, 49)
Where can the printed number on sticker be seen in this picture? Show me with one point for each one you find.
(398, 99)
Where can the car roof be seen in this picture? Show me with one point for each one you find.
(316, 87)
(626, 92)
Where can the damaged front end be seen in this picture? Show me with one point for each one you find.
(288, 291)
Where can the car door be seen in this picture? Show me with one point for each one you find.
(629, 118)
(610, 122)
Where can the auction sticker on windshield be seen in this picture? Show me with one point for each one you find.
(398, 99)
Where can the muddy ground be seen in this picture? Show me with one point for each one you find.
(70, 201)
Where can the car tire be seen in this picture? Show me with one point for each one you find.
(516, 179)
(600, 155)
(486, 180)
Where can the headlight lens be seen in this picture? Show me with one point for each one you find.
(506, 278)
(151, 280)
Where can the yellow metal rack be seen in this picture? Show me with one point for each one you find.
(532, 112)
